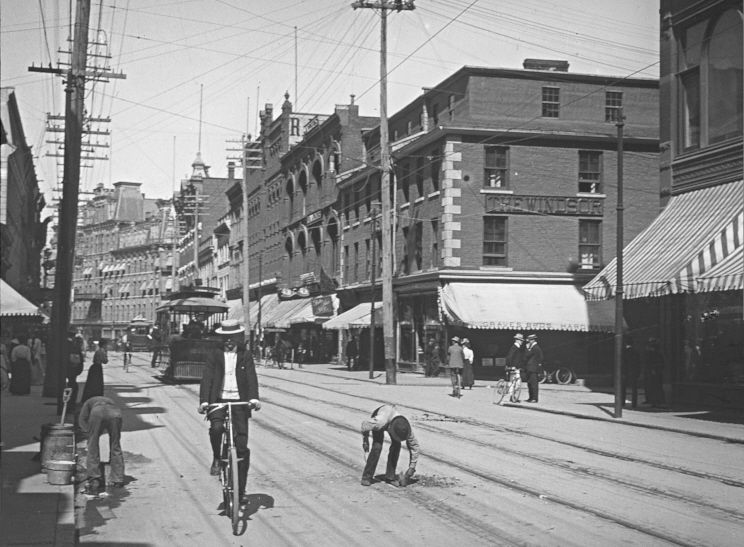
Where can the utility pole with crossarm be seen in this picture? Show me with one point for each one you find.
(387, 228)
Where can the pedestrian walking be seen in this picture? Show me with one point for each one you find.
(94, 381)
(433, 358)
(352, 353)
(631, 371)
(230, 376)
(37, 372)
(514, 362)
(468, 376)
(20, 368)
(75, 364)
(533, 362)
(455, 362)
(387, 419)
(100, 415)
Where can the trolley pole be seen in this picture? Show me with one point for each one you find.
(387, 232)
(619, 394)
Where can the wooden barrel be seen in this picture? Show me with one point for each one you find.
(57, 443)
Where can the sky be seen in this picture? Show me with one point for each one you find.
(198, 71)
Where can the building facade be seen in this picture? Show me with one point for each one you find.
(504, 199)
(683, 275)
(123, 260)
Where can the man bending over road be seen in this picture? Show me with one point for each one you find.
(386, 418)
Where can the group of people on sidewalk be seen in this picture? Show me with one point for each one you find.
(22, 363)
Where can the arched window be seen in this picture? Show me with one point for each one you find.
(333, 234)
(289, 246)
(303, 181)
(302, 241)
(318, 172)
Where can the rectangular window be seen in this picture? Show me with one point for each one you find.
(495, 174)
(356, 261)
(347, 261)
(356, 200)
(590, 244)
(590, 172)
(613, 105)
(551, 102)
(418, 239)
(404, 181)
(367, 258)
(435, 165)
(405, 263)
(494, 241)
(419, 175)
(434, 243)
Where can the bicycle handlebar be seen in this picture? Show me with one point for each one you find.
(215, 406)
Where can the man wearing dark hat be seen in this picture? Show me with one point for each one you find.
(230, 376)
(386, 418)
(514, 361)
(533, 360)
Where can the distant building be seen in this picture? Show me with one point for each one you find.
(684, 274)
(123, 259)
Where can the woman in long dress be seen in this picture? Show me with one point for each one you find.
(94, 380)
(20, 369)
(468, 376)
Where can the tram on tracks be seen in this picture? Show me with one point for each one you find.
(187, 321)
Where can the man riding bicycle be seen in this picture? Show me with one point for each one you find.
(230, 376)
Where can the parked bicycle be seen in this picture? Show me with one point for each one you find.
(511, 386)
(561, 375)
(229, 465)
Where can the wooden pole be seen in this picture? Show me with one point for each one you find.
(619, 395)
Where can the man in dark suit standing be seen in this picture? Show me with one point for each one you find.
(533, 360)
(230, 376)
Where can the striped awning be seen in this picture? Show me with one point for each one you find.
(358, 317)
(694, 233)
(727, 275)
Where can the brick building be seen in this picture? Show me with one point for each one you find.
(504, 206)
(123, 259)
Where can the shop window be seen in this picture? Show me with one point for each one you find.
(551, 103)
(590, 244)
(494, 241)
(613, 105)
(496, 169)
(590, 171)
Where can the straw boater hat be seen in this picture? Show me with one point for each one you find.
(532, 337)
(465, 341)
(519, 337)
(456, 339)
(399, 429)
(230, 326)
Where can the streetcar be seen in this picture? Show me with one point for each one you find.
(137, 334)
(187, 321)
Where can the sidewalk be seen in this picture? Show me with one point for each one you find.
(32, 511)
(569, 400)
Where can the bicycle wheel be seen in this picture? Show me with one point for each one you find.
(517, 391)
(235, 490)
(542, 376)
(502, 388)
(563, 375)
(226, 474)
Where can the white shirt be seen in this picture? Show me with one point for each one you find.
(467, 353)
(230, 381)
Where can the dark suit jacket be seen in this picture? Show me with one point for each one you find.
(534, 358)
(514, 357)
(210, 388)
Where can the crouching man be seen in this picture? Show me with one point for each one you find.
(386, 418)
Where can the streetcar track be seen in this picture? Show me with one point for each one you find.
(552, 463)
(572, 444)
(489, 477)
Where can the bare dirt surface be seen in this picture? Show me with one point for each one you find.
(488, 475)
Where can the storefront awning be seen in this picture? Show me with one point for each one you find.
(279, 317)
(525, 307)
(326, 305)
(357, 317)
(13, 303)
(268, 303)
(695, 232)
(727, 275)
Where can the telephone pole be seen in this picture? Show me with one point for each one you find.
(387, 229)
(619, 385)
(54, 383)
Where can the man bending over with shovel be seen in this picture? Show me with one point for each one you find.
(386, 418)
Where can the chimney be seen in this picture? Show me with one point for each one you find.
(545, 64)
(231, 171)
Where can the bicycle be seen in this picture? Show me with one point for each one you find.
(561, 375)
(127, 359)
(229, 468)
(511, 386)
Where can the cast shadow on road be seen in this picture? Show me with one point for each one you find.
(254, 503)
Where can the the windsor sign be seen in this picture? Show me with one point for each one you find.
(544, 205)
